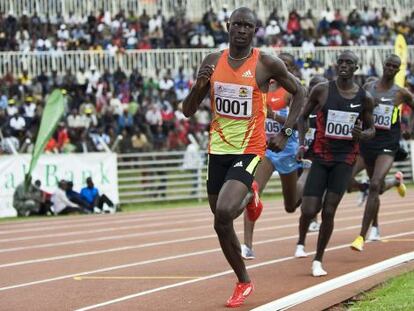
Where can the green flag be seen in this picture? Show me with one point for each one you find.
(50, 118)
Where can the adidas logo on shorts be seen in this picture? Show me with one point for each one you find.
(238, 164)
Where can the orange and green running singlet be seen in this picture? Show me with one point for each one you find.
(238, 107)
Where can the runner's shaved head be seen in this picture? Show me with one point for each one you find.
(245, 11)
(349, 53)
(394, 58)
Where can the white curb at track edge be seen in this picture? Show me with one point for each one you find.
(328, 286)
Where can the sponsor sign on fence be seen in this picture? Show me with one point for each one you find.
(102, 167)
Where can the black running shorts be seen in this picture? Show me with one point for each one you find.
(221, 168)
(330, 176)
(370, 154)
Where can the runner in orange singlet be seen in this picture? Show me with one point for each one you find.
(236, 80)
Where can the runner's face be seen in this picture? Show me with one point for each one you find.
(242, 27)
(391, 67)
(346, 65)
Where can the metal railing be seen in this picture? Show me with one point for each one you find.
(162, 176)
(152, 62)
(169, 8)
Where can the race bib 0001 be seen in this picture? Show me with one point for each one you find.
(339, 124)
(233, 100)
(382, 115)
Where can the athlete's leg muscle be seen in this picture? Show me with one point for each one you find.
(263, 174)
(290, 195)
(228, 208)
(377, 174)
(330, 206)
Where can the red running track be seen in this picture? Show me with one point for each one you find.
(170, 259)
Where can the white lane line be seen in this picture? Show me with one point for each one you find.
(92, 220)
(93, 223)
(132, 235)
(338, 282)
(64, 234)
(105, 217)
(107, 238)
(108, 229)
(140, 263)
(266, 263)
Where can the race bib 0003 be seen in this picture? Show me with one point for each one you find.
(233, 100)
(382, 115)
(339, 124)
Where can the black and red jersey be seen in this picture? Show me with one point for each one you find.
(334, 124)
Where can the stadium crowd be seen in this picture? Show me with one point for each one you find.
(146, 112)
(101, 31)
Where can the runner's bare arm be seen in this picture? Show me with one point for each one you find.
(315, 101)
(278, 118)
(277, 70)
(403, 96)
(201, 87)
(367, 120)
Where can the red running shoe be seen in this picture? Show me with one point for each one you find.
(240, 294)
(255, 207)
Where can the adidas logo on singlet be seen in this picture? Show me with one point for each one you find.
(247, 74)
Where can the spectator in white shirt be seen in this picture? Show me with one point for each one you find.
(207, 40)
(100, 139)
(81, 78)
(181, 92)
(328, 14)
(74, 119)
(60, 202)
(223, 14)
(154, 23)
(166, 83)
(10, 144)
(93, 77)
(153, 117)
(29, 108)
(63, 33)
(17, 123)
(11, 108)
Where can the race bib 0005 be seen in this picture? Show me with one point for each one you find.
(339, 124)
(272, 127)
(382, 115)
(233, 100)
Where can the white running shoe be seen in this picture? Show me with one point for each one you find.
(300, 251)
(374, 234)
(314, 226)
(317, 269)
(247, 253)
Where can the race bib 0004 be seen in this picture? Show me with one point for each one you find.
(382, 115)
(339, 124)
(233, 100)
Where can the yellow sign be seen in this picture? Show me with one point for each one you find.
(401, 50)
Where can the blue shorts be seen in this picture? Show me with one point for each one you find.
(284, 162)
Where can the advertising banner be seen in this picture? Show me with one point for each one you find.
(102, 167)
